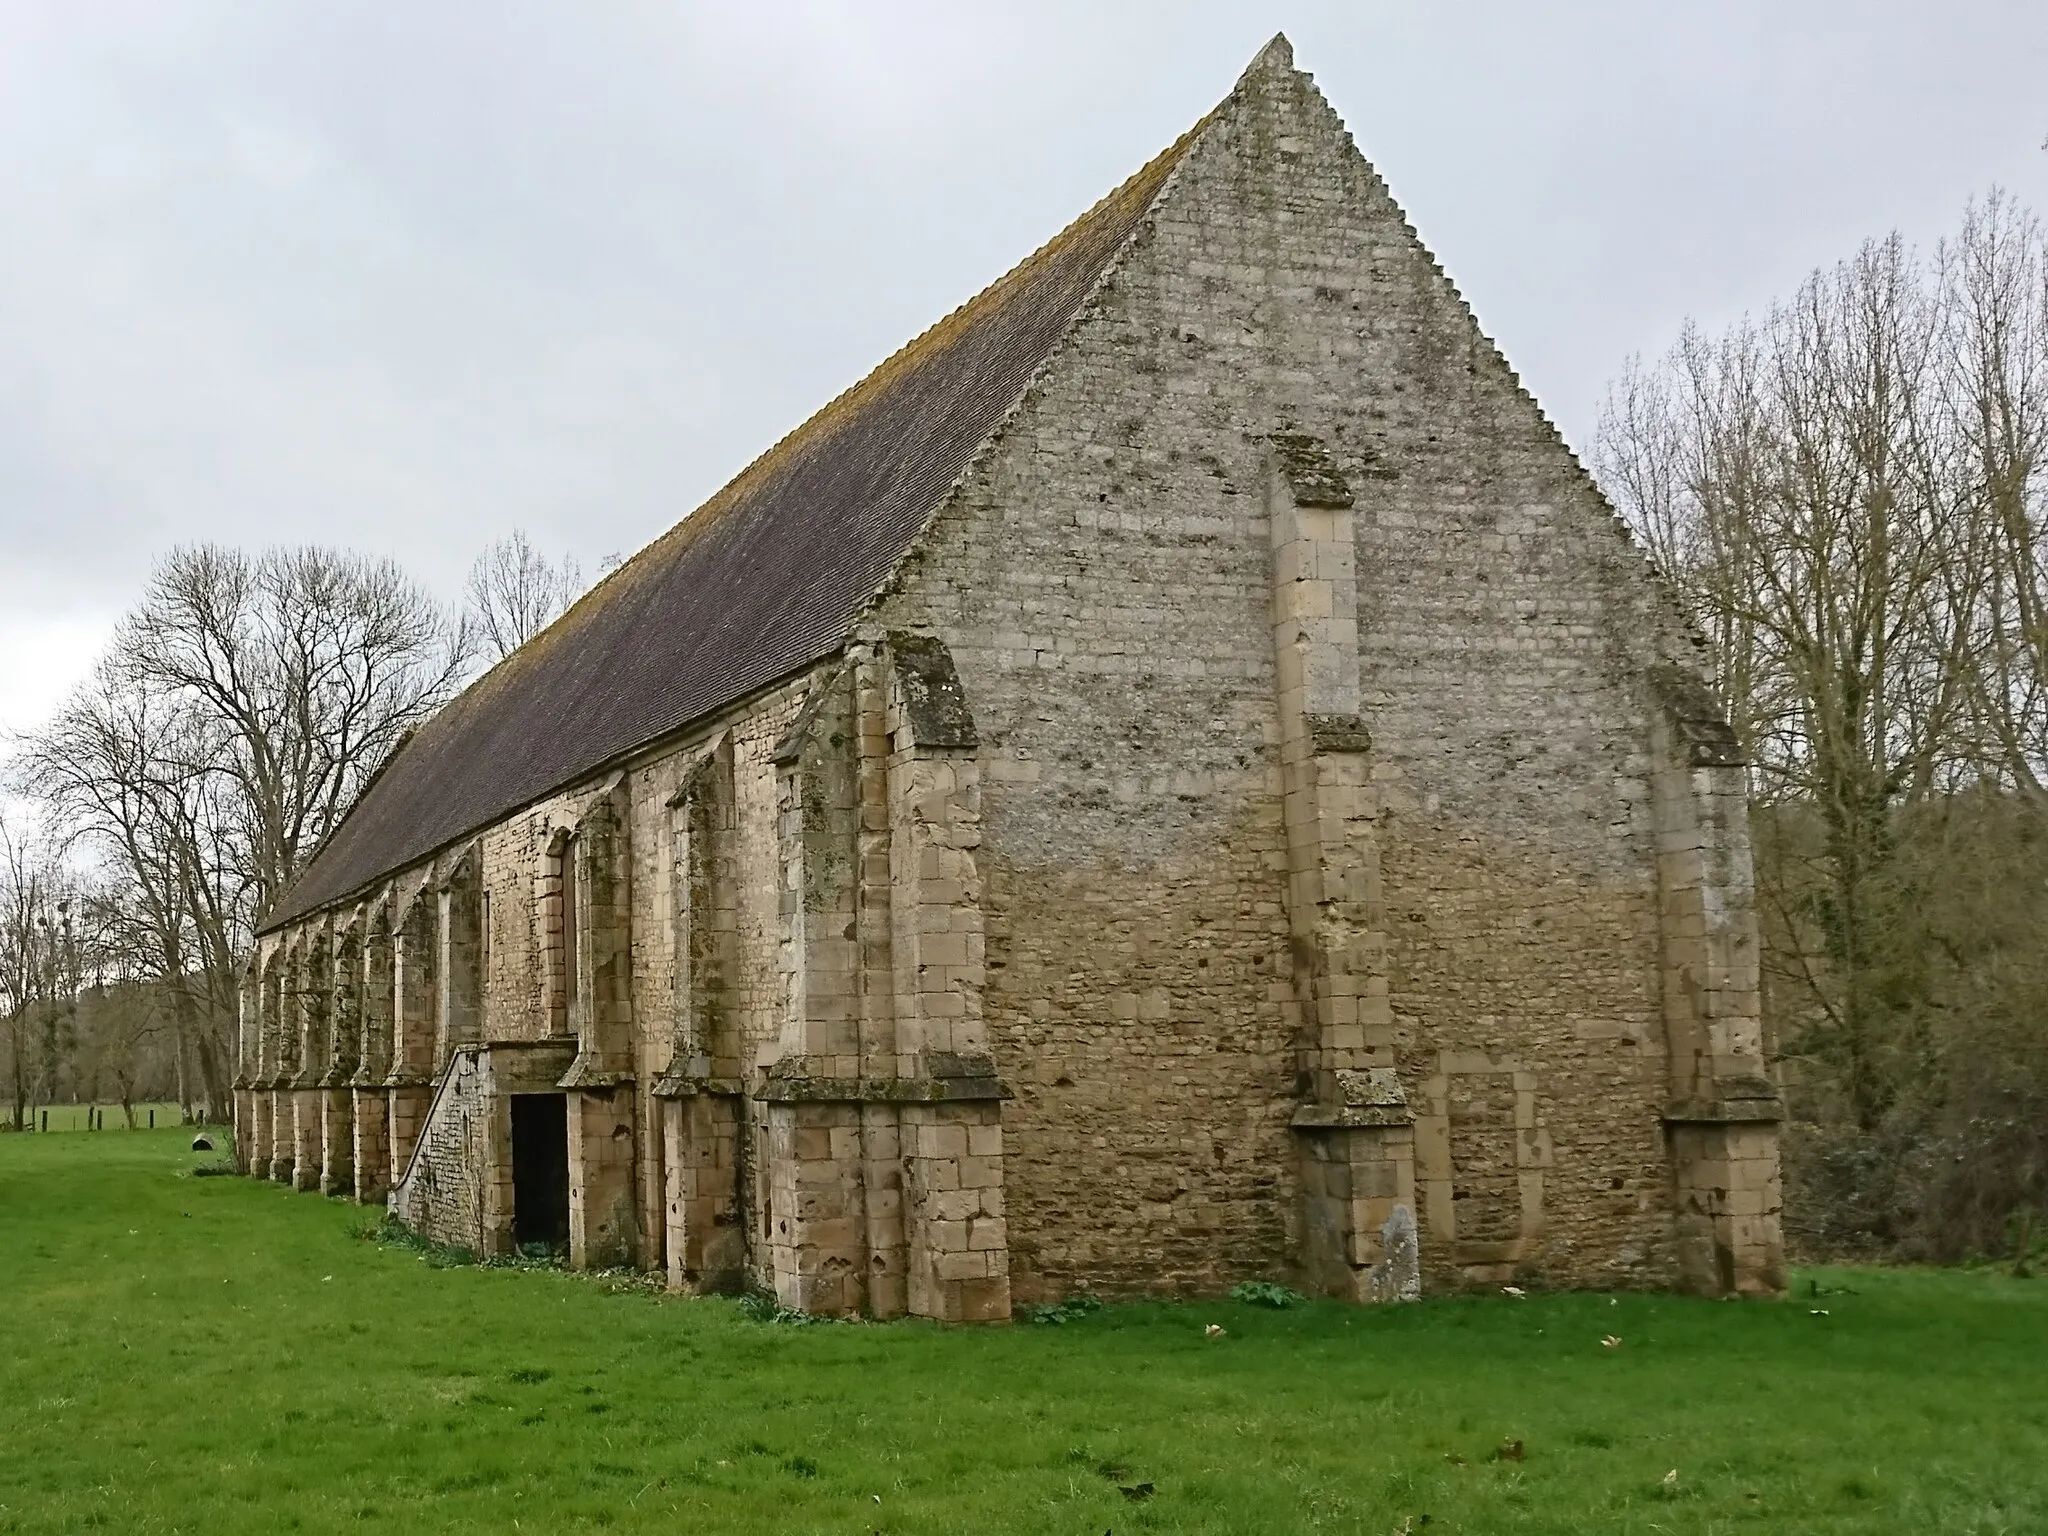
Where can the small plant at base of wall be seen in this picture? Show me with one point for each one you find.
(1057, 1313)
(1266, 1293)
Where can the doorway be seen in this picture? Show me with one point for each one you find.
(540, 1171)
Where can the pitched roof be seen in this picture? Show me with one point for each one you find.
(756, 584)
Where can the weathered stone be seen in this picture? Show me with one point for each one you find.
(1398, 1274)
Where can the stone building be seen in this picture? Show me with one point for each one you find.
(1176, 764)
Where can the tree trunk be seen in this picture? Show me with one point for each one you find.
(178, 1055)
(21, 1095)
(213, 1076)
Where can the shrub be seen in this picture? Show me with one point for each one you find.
(1057, 1313)
(1265, 1293)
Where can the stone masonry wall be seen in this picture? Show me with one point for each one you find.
(443, 1195)
(1105, 585)
(522, 983)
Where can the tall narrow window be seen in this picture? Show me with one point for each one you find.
(484, 939)
(571, 922)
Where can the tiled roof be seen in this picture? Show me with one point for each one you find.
(756, 584)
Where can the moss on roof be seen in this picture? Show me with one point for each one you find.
(756, 584)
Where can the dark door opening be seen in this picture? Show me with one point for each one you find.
(540, 1170)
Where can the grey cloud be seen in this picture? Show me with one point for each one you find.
(401, 277)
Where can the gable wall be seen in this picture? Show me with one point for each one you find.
(1104, 583)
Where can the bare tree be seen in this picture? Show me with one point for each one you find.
(300, 669)
(240, 711)
(25, 902)
(514, 592)
(118, 1019)
(1849, 493)
(1782, 478)
(1994, 293)
(116, 769)
(43, 955)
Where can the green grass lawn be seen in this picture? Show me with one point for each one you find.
(213, 1354)
(72, 1117)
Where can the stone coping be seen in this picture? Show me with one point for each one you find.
(584, 1072)
(1314, 1117)
(1758, 1111)
(690, 1085)
(1312, 476)
(792, 1089)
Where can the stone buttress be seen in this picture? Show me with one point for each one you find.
(702, 1094)
(370, 1097)
(280, 1055)
(882, 1142)
(252, 1117)
(344, 1043)
(1722, 1118)
(603, 1230)
(409, 1079)
(309, 1096)
(1353, 1128)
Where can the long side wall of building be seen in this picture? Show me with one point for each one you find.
(470, 950)
(749, 966)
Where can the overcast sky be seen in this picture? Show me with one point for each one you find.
(404, 276)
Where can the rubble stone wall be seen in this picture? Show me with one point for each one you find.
(443, 1194)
